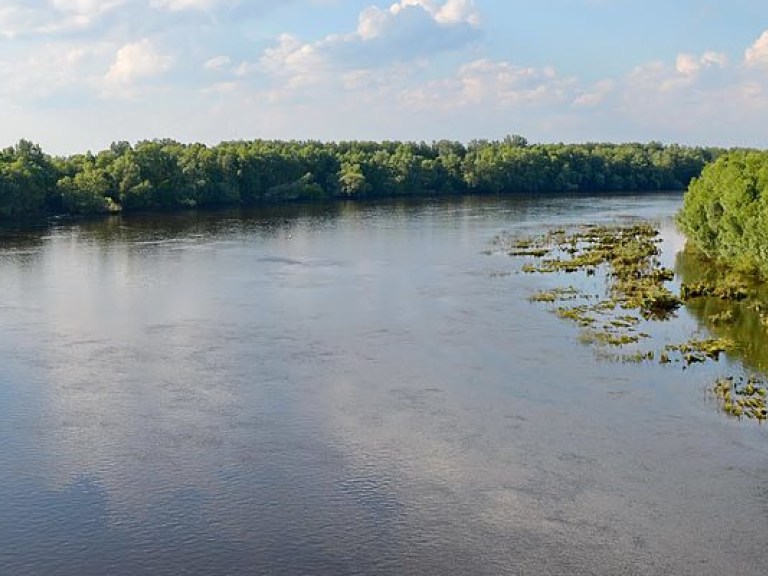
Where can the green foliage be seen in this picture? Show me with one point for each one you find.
(352, 181)
(27, 177)
(725, 213)
(164, 174)
(86, 192)
(304, 187)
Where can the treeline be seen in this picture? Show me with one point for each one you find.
(164, 174)
(725, 212)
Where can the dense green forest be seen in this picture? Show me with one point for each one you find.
(725, 212)
(164, 174)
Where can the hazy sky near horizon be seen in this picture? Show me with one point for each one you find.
(79, 74)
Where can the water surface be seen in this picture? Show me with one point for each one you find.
(352, 388)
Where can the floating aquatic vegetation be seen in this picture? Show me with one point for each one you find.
(629, 253)
(534, 252)
(607, 338)
(625, 321)
(628, 256)
(543, 297)
(578, 314)
(658, 303)
(556, 295)
(731, 289)
(639, 357)
(700, 350)
(724, 317)
(635, 294)
(742, 397)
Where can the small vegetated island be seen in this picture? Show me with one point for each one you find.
(164, 174)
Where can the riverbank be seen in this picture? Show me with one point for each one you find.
(157, 175)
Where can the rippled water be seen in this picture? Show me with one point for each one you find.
(348, 389)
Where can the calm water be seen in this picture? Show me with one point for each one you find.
(349, 389)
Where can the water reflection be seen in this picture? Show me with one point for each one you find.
(344, 389)
(738, 321)
(68, 524)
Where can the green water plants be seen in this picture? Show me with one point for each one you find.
(635, 294)
(742, 396)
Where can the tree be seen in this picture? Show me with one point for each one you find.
(352, 181)
(86, 193)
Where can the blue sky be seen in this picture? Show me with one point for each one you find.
(79, 74)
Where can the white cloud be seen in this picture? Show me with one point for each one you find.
(690, 72)
(689, 65)
(595, 95)
(290, 57)
(458, 11)
(712, 58)
(374, 22)
(491, 85)
(757, 54)
(385, 39)
(21, 18)
(137, 60)
(17, 19)
(694, 99)
(414, 20)
(52, 68)
(179, 5)
(217, 63)
(86, 7)
(295, 65)
(406, 31)
(403, 68)
(447, 12)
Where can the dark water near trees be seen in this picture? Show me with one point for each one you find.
(349, 389)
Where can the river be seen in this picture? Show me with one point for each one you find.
(350, 389)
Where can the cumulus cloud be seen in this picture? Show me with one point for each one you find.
(385, 40)
(375, 22)
(691, 98)
(421, 62)
(217, 63)
(456, 11)
(689, 72)
(491, 84)
(595, 94)
(689, 65)
(52, 69)
(291, 58)
(405, 31)
(136, 61)
(757, 54)
(52, 16)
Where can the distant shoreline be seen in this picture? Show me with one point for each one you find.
(165, 175)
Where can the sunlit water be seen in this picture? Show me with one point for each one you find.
(349, 389)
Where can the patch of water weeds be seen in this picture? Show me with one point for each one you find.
(622, 264)
(557, 295)
(742, 397)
